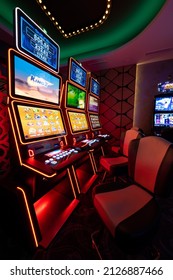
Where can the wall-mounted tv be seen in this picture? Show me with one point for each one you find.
(163, 119)
(95, 122)
(78, 121)
(94, 86)
(33, 41)
(38, 122)
(163, 103)
(165, 87)
(93, 104)
(75, 96)
(77, 73)
(28, 80)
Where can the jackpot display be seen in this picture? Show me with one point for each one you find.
(94, 87)
(77, 73)
(33, 41)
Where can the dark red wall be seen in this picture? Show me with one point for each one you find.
(117, 99)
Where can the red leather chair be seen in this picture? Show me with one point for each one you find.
(131, 214)
(117, 164)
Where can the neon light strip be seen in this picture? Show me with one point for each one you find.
(71, 182)
(77, 183)
(29, 215)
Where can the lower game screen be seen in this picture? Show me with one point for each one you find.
(78, 121)
(39, 122)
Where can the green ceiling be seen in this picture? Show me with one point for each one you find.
(127, 19)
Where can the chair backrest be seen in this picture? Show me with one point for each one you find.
(126, 138)
(151, 164)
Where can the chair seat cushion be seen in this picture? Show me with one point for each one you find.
(116, 206)
(111, 163)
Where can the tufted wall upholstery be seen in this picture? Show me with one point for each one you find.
(117, 99)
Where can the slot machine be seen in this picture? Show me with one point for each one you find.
(42, 164)
(93, 108)
(76, 118)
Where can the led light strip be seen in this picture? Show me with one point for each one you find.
(78, 31)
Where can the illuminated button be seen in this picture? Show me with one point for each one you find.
(51, 159)
(54, 162)
(46, 161)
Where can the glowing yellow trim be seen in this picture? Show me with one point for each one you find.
(75, 177)
(17, 147)
(92, 163)
(69, 175)
(39, 172)
(29, 215)
(78, 31)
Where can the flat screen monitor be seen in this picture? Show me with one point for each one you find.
(163, 103)
(33, 41)
(95, 122)
(93, 104)
(78, 121)
(77, 73)
(28, 80)
(75, 96)
(38, 122)
(94, 86)
(165, 87)
(163, 119)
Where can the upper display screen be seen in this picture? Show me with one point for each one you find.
(31, 81)
(163, 103)
(94, 86)
(37, 122)
(77, 73)
(33, 41)
(75, 97)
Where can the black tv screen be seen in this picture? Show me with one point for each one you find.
(163, 103)
(75, 96)
(28, 80)
(33, 41)
(36, 122)
(94, 86)
(93, 104)
(77, 73)
(163, 119)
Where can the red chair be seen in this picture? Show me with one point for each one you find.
(117, 165)
(131, 214)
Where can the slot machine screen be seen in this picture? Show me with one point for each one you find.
(77, 73)
(93, 104)
(78, 121)
(163, 103)
(95, 122)
(31, 81)
(163, 119)
(75, 96)
(165, 87)
(94, 86)
(33, 41)
(37, 122)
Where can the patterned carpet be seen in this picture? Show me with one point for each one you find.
(74, 242)
(74, 239)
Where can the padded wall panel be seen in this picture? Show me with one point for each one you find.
(117, 99)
